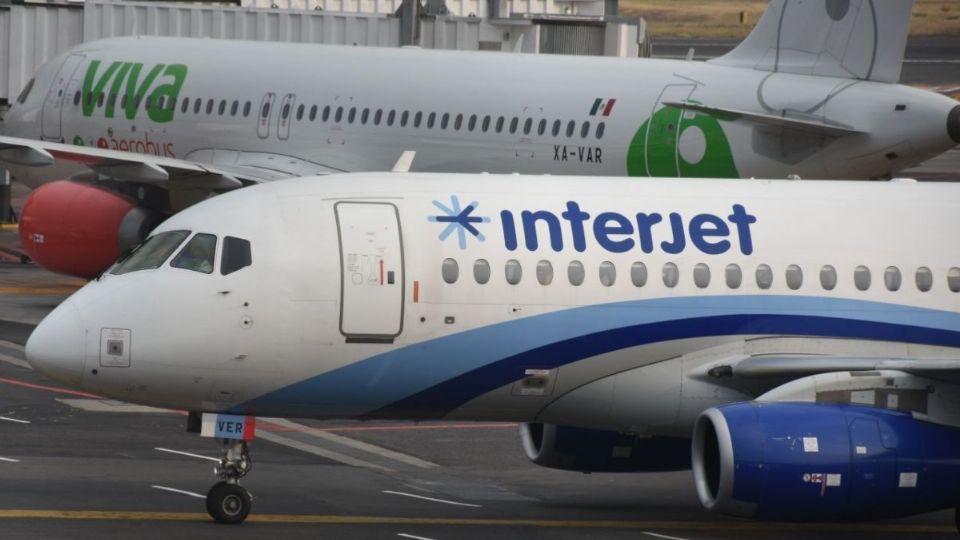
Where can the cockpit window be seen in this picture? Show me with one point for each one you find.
(25, 93)
(151, 252)
(236, 255)
(198, 254)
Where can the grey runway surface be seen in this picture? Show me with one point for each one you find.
(85, 467)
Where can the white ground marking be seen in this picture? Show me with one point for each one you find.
(431, 499)
(17, 420)
(180, 491)
(9, 460)
(186, 454)
(322, 452)
(412, 537)
(353, 443)
(665, 537)
(15, 361)
(110, 405)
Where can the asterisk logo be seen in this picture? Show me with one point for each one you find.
(458, 220)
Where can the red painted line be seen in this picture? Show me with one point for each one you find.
(49, 388)
(416, 292)
(609, 108)
(381, 271)
(285, 429)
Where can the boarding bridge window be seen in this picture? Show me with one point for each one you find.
(364, 116)
(575, 273)
(198, 254)
(608, 274)
(600, 128)
(417, 118)
(339, 115)
(544, 273)
(450, 271)
(638, 274)
(556, 127)
(671, 275)
(764, 276)
(513, 271)
(953, 279)
(585, 130)
(445, 121)
(246, 109)
(25, 93)
(458, 122)
(514, 122)
(924, 278)
(300, 110)
(236, 107)
(352, 115)
(151, 253)
(527, 126)
(828, 277)
(733, 276)
(701, 275)
(794, 276)
(861, 277)
(236, 255)
(892, 278)
(472, 123)
(313, 113)
(481, 271)
(326, 113)
(542, 128)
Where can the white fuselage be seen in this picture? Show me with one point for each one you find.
(579, 301)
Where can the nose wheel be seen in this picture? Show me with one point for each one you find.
(227, 500)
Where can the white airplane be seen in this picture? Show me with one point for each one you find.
(162, 123)
(805, 335)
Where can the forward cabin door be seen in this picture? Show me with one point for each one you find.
(371, 271)
(56, 96)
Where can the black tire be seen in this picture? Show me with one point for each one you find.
(228, 503)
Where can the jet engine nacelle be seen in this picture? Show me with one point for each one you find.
(80, 229)
(592, 450)
(819, 462)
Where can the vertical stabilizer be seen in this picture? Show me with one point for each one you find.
(852, 39)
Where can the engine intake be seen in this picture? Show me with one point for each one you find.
(592, 450)
(817, 462)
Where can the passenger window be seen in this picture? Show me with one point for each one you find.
(209, 106)
(486, 124)
(403, 118)
(326, 113)
(733, 276)
(542, 128)
(500, 124)
(527, 126)
(151, 253)
(196, 105)
(391, 117)
(246, 109)
(544, 272)
(861, 277)
(198, 254)
(571, 127)
(313, 113)
(76, 99)
(556, 127)
(223, 108)
(608, 274)
(236, 255)
(352, 115)
(184, 105)
(431, 120)
(458, 122)
(953, 279)
(445, 121)
(481, 271)
(450, 270)
(892, 278)
(671, 275)
(794, 277)
(764, 276)
(513, 271)
(585, 130)
(236, 107)
(417, 118)
(924, 279)
(364, 116)
(339, 115)
(300, 110)
(638, 274)
(472, 123)
(513, 125)
(828, 277)
(146, 105)
(378, 117)
(575, 273)
(600, 128)
(701, 275)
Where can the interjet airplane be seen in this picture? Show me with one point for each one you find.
(796, 342)
(143, 127)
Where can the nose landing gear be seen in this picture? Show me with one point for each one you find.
(227, 500)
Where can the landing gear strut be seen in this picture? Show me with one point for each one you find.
(227, 500)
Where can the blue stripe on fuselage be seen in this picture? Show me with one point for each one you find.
(431, 378)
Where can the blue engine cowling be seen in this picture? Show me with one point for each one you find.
(819, 462)
(592, 450)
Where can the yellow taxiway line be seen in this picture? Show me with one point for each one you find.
(479, 522)
(9, 227)
(38, 291)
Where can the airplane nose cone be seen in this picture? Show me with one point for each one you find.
(56, 346)
(953, 124)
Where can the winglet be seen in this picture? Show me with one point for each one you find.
(405, 162)
(852, 39)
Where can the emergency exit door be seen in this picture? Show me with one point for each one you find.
(371, 271)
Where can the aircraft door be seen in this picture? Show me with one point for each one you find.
(53, 104)
(371, 271)
(265, 114)
(663, 132)
(286, 115)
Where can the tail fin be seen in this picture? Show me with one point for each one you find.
(852, 39)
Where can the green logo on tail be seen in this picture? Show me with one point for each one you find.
(673, 143)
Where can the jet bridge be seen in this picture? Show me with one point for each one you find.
(34, 31)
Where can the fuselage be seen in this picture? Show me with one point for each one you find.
(579, 301)
(306, 109)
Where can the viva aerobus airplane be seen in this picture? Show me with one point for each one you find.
(804, 335)
(148, 126)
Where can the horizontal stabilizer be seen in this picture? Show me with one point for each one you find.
(806, 125)
(852, 39)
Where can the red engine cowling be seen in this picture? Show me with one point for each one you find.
(79, 229)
